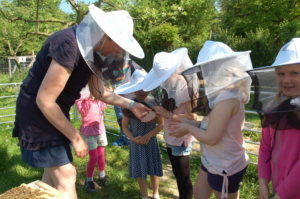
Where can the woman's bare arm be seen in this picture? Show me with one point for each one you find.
(109, 97)
(51, 87)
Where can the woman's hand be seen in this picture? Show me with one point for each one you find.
(161, 111)
(150, 117)
(80, 147)
(179, 129)
(139, 110)
(145, 139)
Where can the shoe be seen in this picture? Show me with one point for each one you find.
(118, 142)
(89, 187)
(126, 141)
(102, 181)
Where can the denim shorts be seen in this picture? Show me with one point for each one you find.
(180, 150)
(48, 157)
(216, 181)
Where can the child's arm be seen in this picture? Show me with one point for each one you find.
(173, 122)
(290, 186)
(125, 122)
(189, 115)
(264, 191)
(264, 167)
(169, 115)
(219, 119)
(160, 125)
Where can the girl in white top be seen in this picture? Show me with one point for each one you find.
(227, 89)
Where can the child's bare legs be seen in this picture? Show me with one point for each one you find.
(143, 187)
(202, 190)
(230, 195)
(154, 184)
(63, 178)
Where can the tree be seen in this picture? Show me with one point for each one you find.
(260, 25)
(26, 23)
(167, 25)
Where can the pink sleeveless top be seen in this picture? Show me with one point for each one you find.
(186, 139)
(229, 154)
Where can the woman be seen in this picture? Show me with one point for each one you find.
(67, 61)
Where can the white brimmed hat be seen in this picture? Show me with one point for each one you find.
(164, 65)
(135, 83)
(212, 51)
(118, 25)
(289, 54)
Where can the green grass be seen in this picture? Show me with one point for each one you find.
(14, 171)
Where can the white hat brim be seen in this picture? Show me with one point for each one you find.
(272, 67)
(128, 88)
(151, 81)
(128, 44)
(197, 66)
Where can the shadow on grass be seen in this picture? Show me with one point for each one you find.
(13, 170)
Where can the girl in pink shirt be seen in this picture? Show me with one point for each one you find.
(94, 134)
(279, 153)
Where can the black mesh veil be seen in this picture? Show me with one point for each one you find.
(276, 111)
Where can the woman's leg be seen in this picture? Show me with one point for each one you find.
(64, 178)
(154, 184)
(47, 178)
(181, 170)
(143, 187)
(202, 190)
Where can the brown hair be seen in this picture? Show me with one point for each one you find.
(206, 107)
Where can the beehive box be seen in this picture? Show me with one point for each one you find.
(34, 190)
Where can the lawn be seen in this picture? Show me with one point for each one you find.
(14, 171)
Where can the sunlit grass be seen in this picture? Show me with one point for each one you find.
(14, 171)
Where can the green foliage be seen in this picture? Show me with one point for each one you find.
(258, 25)
(18, 21)
(167, 25)
(258, 41)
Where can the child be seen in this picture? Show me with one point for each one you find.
(279, 151)
(144, 150)
(227, 89)
(173, 92)
(94, 134)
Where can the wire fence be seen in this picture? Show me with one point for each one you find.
(9, 93)
(11, 65)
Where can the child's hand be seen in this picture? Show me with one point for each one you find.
(161, 111)
(276, 197)
(264, 189)
(150, 117)
(137, 140)
(145, 139)
(178, 130)
(176, 121)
